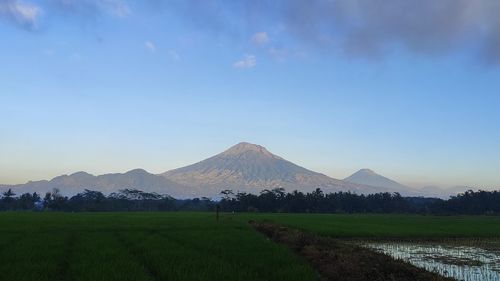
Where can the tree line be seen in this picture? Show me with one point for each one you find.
(96, 201)
(274, 200)
(277, 200)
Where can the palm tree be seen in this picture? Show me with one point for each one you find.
(8, 196)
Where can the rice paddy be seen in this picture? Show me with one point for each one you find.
(139, 246)
(382, 226)
(459, 262)
(191, 246)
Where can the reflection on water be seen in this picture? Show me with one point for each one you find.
(459, 262)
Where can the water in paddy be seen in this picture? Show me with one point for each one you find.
(458, 262)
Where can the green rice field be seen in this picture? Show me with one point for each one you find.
(189, 246)
(391, 226)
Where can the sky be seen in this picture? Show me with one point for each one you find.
(410, 89)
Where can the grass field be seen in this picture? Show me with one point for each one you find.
(188, 246)
(390, 226)
(139, 246)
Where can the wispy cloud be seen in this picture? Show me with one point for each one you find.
(150, 46)
(20, 13)
(174, 55)
(354, 28)
(91, 8)
(361, 28)
(279, 54)
(260, 39)
(49, 52)
(117, 7)
(248, 61)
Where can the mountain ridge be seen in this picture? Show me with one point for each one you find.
(244, 167)
(106, 183)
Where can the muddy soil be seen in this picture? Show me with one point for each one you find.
(337, 260)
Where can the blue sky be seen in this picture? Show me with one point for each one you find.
(110, 85)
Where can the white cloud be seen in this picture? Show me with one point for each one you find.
(260, 39)
(248, 61)
(150, 46)
(19, 12)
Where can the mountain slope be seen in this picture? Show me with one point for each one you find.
(108, 183)
(251, 168)
(369, 177)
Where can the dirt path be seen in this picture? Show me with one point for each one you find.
(336, 260)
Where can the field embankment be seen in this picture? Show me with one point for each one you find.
(336, 260)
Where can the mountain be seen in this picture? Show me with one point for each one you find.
(108, 183)
(251, 168)
(369, 177)
(244, 167)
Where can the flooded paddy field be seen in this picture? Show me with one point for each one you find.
(457, 247)
(469, 260)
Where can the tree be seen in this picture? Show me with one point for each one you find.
(55, 201)
(88, 200)
(8, 199)
(227, 194)
(27, 201)
(8, 196)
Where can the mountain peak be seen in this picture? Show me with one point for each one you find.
(366, 172)
(246, 147)
(80, 174)
(250, 168)
(137, 172)
(369, 177)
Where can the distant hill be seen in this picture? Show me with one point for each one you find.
(251, 168)
(108, 183)
(443, 192)
(369, 177)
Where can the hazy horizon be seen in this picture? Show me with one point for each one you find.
(333, 86)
